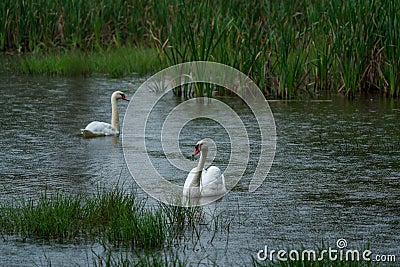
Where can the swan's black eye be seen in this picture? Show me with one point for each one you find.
(196, 146)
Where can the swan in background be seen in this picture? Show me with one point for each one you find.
(201, 182)
(98, 128)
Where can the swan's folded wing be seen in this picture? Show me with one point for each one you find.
(97, 128)
(211, 175)
(212, 182)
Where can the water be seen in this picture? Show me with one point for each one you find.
(335, 174)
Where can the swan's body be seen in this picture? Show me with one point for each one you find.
(201, 182)
(98, 128)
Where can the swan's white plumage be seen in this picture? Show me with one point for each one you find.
(202, 182)
(98, 128)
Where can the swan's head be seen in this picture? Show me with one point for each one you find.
(201, 145)
(119, 95)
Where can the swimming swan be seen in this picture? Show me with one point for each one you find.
(201, 182)
(98, 128)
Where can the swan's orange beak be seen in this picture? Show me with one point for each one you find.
(124, 98)
(196, 150)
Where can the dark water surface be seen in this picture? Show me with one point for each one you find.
(335, 174)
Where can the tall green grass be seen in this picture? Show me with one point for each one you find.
(288, 48)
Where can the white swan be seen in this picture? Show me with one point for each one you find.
(98, 128)
(201, 182)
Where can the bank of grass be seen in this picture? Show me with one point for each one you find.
(112, 217)
(118, 62)
(288, 48)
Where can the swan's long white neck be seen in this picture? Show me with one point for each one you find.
(203, 156)
(114, 114)
(199, 169)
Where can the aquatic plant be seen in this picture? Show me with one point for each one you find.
(288, 48)
(116, 62)
(112, 217)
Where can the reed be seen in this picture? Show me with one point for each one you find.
(287, 48)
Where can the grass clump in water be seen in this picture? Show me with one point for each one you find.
(111, 217)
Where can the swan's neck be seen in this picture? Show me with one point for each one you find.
(202, 160)
(114, 114)
(199, 168)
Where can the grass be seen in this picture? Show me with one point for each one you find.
(289, 49)
(130, 233)
(115, 62)
(115, 218)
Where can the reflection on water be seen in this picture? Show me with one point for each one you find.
(335, 174)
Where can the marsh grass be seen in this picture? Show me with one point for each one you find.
(130, 231)
(291, 48)
(114, 62)
(112, 217)
(288, 48)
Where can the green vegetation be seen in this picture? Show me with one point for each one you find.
(130, 233)
(116, 62)
(114, 217)
(288, 48)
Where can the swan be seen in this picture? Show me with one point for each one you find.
(201, 182)
(98, 128)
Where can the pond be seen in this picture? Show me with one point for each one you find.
(335, 174)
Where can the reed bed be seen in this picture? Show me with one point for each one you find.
(289, 49)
